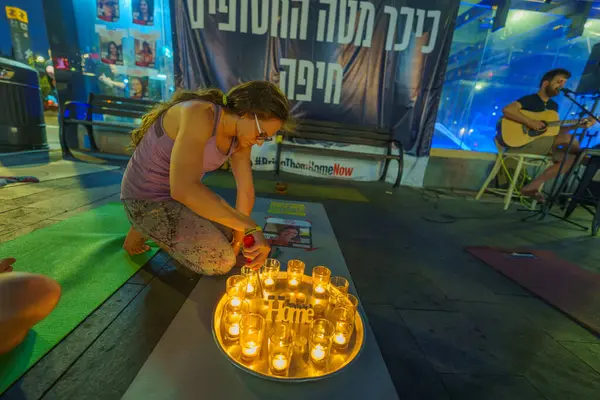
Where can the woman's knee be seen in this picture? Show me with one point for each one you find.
(29, 296)
(219, 264)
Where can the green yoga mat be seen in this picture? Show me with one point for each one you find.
(84, 254)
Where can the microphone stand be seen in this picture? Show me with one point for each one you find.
(556, 187)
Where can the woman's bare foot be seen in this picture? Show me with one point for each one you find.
(6, 264)
(533, 194)
(135, 243)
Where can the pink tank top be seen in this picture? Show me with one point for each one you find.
(147, 174)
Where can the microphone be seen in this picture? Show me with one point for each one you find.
(567, 91)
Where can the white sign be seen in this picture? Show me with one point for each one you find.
(319, 165)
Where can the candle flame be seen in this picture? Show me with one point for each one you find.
(340, 338)
(234, 330)
(279, 362)
(317, 353)
(250, 349)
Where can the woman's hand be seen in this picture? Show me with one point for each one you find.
(258, 253)
(238, 242)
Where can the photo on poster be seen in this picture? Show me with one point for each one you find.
(107, 10)
(143, 12)
(288, 233)
(138, 87)
(111, 45)
(145, 48)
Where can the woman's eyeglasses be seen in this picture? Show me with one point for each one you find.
(262, 135)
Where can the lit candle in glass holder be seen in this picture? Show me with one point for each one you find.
(252, 281)
(317, 353)
(231, 318)
(321, 334)
(252, 327)
(270, 273)
(279, 363)
(320, 281)
(250, 350)
(234, 330)
(295, 273)
(338, 288)
(281, 348)
(236, 289)
(343, 321)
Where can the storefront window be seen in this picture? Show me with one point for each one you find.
(488, 70)
(126, 47)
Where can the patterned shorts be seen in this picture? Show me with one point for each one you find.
(197, 243)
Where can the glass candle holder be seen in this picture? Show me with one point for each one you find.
(341, 284)
(348, 301)
(270, 273)
(343, 322)
(252, 328)
(231, 318)
(295, 273)
(319, 306)
(353, 301)
(252, 281)
(321, 333)
(236, 289)
(281, 349)
(320, 281)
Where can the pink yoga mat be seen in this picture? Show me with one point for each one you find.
(568, 287)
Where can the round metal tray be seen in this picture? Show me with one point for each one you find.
(301, 368)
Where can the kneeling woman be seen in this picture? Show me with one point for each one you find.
(177, 143)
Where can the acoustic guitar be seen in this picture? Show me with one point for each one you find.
(515, 134)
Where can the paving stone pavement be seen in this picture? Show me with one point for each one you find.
(449, 327)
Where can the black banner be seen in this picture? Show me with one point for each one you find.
(18, 21)
(377, 63)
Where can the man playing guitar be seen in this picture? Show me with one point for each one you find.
(550, 86)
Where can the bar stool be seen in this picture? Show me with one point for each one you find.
(523, 160)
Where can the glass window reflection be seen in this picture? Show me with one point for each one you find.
(488, 70)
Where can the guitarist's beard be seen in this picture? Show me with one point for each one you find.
(551, 92)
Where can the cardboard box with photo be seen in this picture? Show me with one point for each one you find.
(288, 233)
